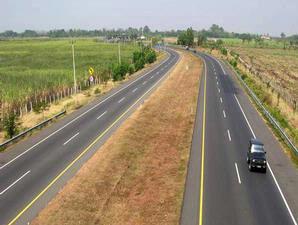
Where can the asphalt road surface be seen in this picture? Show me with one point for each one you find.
(219, 187)
(34, 170)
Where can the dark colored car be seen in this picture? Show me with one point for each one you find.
(256, 155)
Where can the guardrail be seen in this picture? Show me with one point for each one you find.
(271, 119)
(4, 144)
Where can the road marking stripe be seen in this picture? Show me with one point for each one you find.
(239, 180)
(2, 192)
(121, 99)
(224, 72)
(134, 90)
(151, 77)
(224, 113)
(218, 90)
(269, 167)
(101, 115)
(203, 151)
(65, 143)
(229, 135)
(253, 133)
(84, 113)
(217, 82)
(220, 99)
(144, 82)
(84, 152)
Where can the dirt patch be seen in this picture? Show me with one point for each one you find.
(138, 175)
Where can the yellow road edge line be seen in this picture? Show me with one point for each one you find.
(86, 150)
(203, 151)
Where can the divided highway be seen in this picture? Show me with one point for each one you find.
(219, 187)
(34, 170)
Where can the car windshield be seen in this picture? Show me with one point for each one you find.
(257, 148)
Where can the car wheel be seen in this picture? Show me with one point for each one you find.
(264, 170)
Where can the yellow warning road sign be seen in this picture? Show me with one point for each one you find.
(91, 70)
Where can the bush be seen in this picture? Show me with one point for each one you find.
(150, 57)
(97, 91)
(40, 106)
(10, 124)
(137, 55)
(131, 69)
(224, 51)
(119, 71)
(139, 64)
(233, 62)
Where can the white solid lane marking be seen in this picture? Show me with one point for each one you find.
(269, 167)
(134, 90)
(121, 99)
(239, 180)
(224, 72)
(2, 192)
(224, 113)
(65, 143)
(84, 113)
(101, 115)
(253, 133)
(229, 135)
(220, 99)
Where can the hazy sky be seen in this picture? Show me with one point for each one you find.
(256, 16)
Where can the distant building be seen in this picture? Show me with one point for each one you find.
(212, 39)
(265, 37)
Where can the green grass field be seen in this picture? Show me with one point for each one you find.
(235, 42)
(35, 65)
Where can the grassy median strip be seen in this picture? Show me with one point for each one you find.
(138, 175)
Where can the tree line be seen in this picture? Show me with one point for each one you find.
(215, 31)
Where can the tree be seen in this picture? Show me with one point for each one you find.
(283, 37)
(201, 39)
(10, 124)
(146, 30)
(186, 38)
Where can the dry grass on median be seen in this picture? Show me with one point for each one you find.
(138, 175)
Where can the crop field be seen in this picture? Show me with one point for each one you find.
(235, 42)
(37, 65)
(278, 65)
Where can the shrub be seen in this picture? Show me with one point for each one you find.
(150, 57)
(139, 64)
(224, 51)
(137, 55)
(131, 69)
(119, 71)
(233, 62)
(10, 124)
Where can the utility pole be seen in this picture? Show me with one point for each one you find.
(119, 53)
(74, 67)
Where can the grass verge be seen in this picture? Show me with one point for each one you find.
(274, 111)
(138, 175)
(75, 101)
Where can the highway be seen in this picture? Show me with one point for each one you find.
(219, 187)
(35, 169)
